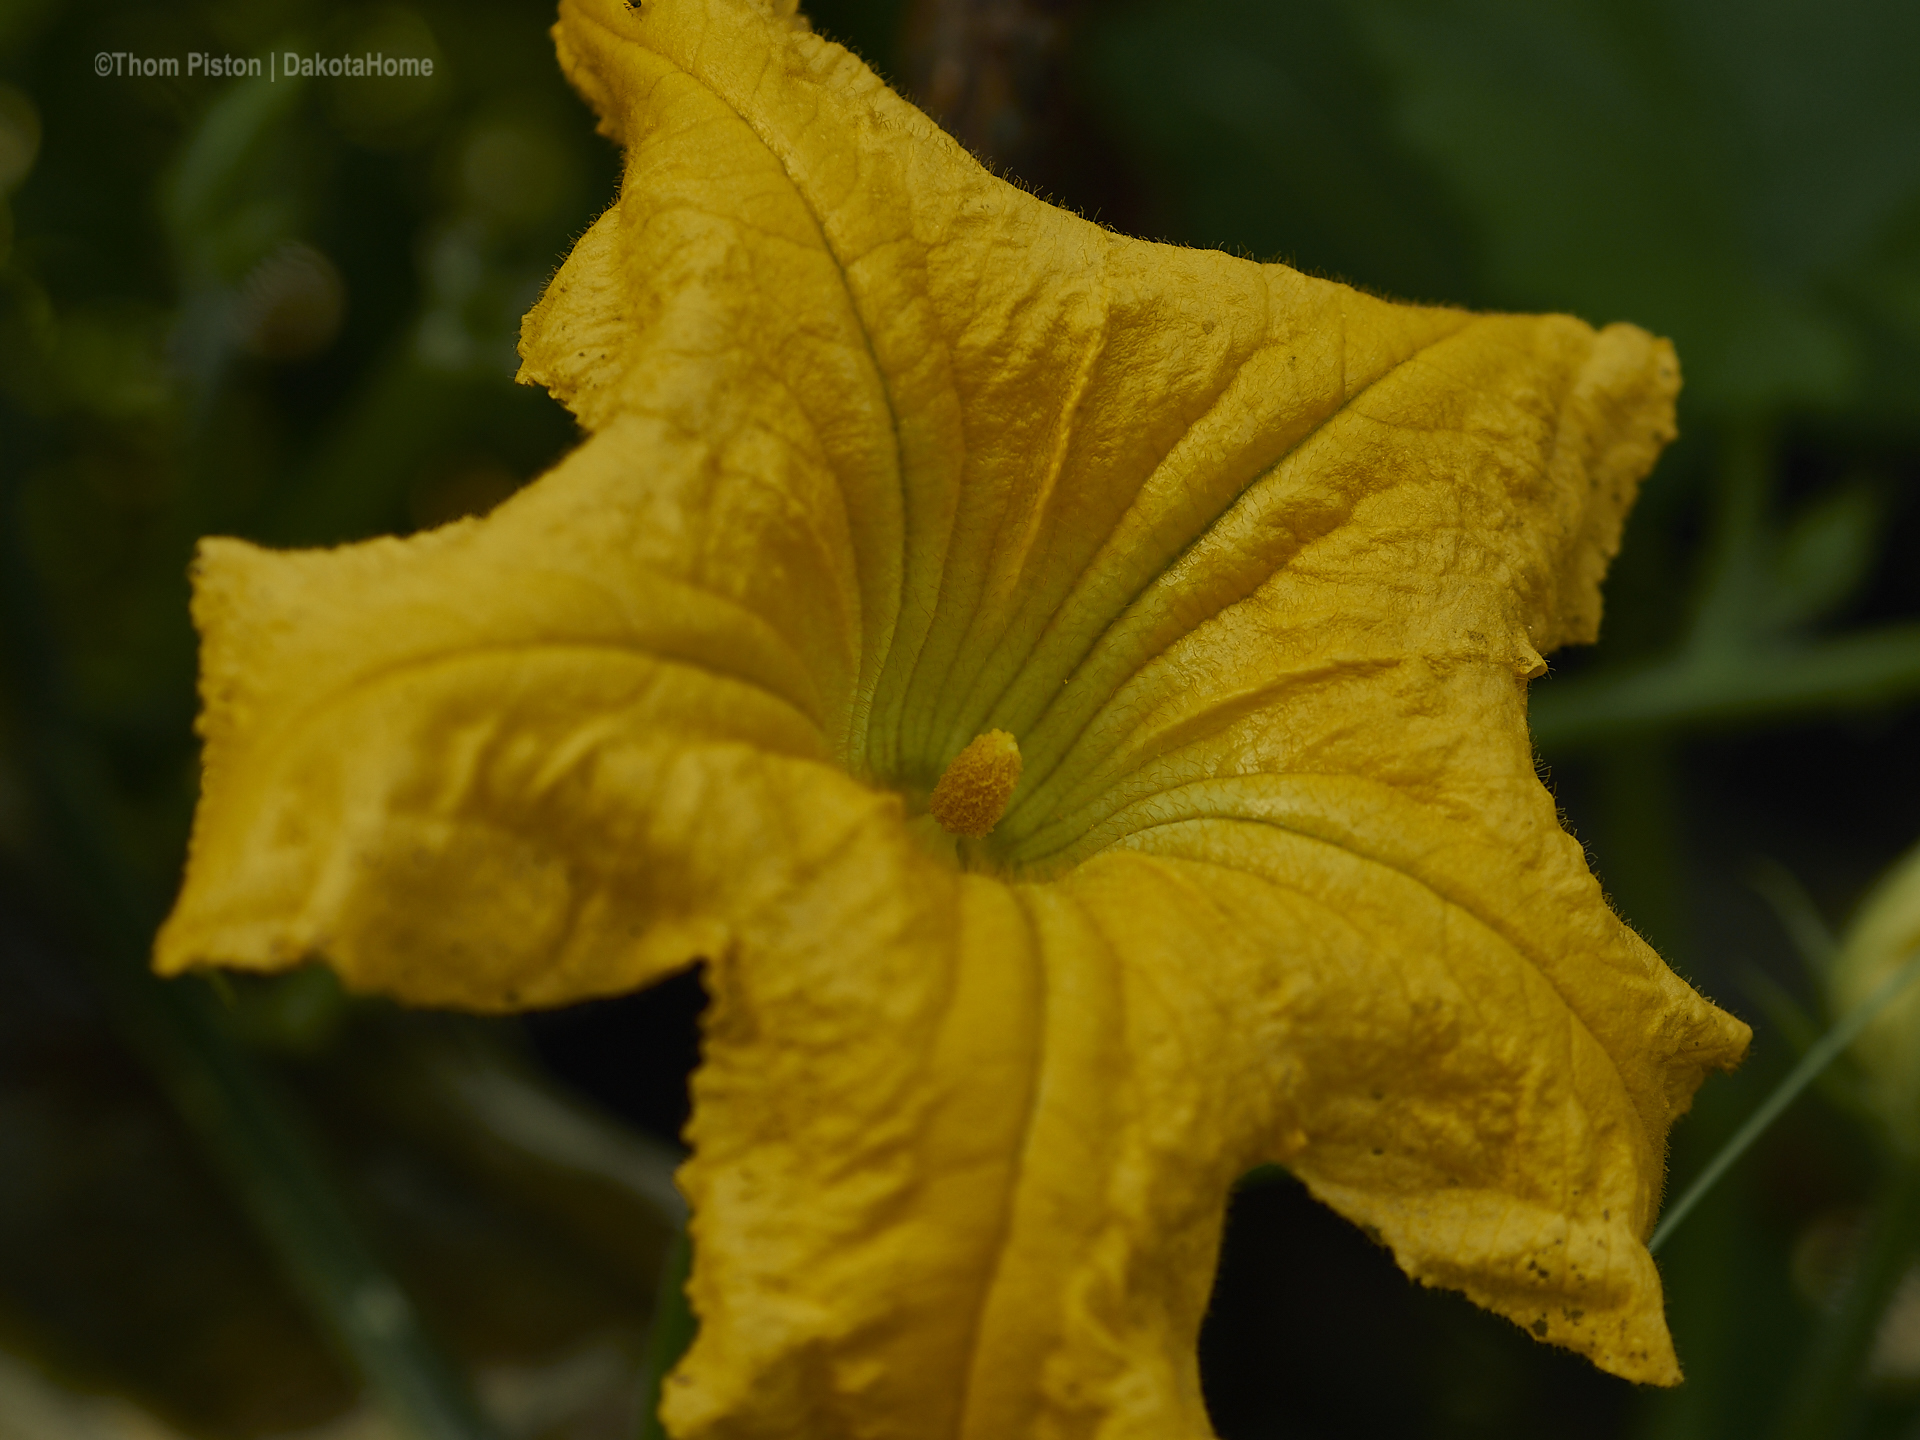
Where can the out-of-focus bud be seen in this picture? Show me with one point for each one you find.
(290, 304)
(1884, 939)
(19, 137)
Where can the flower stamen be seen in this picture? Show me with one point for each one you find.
(973, 793)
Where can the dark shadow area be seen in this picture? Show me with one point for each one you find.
(632, 1053)
(1314, 1334)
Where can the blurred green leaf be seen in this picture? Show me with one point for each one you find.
(230, 199)
(1824, 556)
(1857, 671)
(298, 1013)
(1716, 170)
(1268, 126)
(1725, 173)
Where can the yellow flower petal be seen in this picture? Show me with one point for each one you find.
(887, 455)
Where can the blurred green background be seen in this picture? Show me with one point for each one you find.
(287, 310)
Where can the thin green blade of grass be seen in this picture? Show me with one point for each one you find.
(1822, 1054)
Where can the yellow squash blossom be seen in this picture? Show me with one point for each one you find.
(1224, 585)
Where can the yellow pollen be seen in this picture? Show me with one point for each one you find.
(973, 794)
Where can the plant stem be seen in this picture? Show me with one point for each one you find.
(245, 1129)
(255, 1143)
(1822, 1400)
